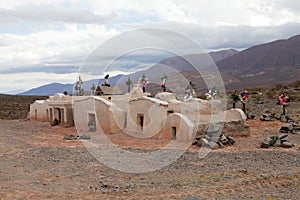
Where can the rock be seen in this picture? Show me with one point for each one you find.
(220, 145)
(296, 132)
(223, 138)
(199, 143)
(258, 102)
(231, 140)
(281, 136)
(266, 117)
(195, 142)
(283, 118)
(277, 143)
(191, 198)
(85, 137)
(287, 145)
(265, 143)
(286, 128)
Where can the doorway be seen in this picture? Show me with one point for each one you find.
(140, 120)
(174, 132)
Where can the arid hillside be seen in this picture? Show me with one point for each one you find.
(15, 106)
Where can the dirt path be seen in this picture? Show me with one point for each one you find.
(36, 163)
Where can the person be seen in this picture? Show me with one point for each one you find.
(244, 95)
(283, 99)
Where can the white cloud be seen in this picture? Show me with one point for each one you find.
(37, 35)
(70, 46)
(46, 14)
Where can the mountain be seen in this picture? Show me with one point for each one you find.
(49, 89)
(263, 65)
(180, 64)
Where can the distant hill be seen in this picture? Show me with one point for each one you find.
(181, 64)
(53, 88)
(49, 89)
(263, 65)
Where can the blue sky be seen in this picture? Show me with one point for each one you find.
(44, 41)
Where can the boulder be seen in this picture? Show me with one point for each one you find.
(85, 137)
(287, 145)
(277, 143)
(283, 118)
(281, 136)
(286, 128)
(265, 143)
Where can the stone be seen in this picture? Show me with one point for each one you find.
(281, 136)
(283, 118)
(191, 198)
(85, 137)
(277, 143)
(266, 117)
(220, 144)
(199, 143)
(69, 137)
(287, 145)
(231, 140)
(286, 128)
(265, 143)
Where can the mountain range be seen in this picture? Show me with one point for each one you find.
(260, 65)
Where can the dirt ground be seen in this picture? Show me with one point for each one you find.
(36, 163)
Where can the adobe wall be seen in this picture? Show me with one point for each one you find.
(108, 119)
(177, 127)
(39, 111)
(152, 111)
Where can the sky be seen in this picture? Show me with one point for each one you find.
(45, 41)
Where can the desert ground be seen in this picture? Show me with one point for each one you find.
(37, 163)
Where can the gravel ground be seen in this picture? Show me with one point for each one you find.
(36, 163)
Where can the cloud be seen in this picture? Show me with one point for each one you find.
(38, 51)
(55, 37)
(52, 14)
(227, 36)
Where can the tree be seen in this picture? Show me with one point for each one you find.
(128, 83)
(65, 93)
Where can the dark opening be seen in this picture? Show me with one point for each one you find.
(57, 115)
(140, 118)
(174, 132)
(35, 114)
